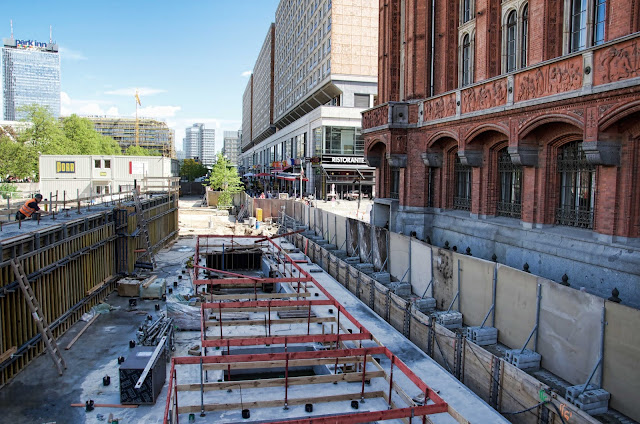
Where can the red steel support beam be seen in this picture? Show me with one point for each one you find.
(313, 338)
(278, 236)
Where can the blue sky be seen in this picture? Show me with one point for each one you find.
(188, 58)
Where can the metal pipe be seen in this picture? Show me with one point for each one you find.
(453, 301)
(495, 291)
(584, 387)
(604, 324)
(487, 316)
(539, 301)
(459, 286)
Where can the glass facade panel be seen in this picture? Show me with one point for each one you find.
(600, 15)
(511, 42)
(578, 25)
(30, 75)
(343, 141)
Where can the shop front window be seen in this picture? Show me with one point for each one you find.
(343, 141)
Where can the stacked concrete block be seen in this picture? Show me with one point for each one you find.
(352, 260)
(449, 320)
(330, 247)
(592, 401)
(322, 242)
(382, 277)
(525, 360)
(366, 268)
(341, 254)
(426, 305)
(482, 336)
(401, 289)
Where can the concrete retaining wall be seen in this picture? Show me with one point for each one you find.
(570, 331)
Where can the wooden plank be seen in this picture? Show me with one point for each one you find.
(278, 402)
(149, 281)
(98, 286)
(279, 382)
(7, 354)
(81, 332)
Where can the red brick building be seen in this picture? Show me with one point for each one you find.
(504, 122)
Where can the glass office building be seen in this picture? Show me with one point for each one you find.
(31, 74)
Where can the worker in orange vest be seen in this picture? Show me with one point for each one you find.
(29, 207)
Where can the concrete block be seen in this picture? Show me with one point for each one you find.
(340, 253)
(322, 242)
(330, 247)
(572, 392)
(352, 260)
(425, 305)
(382, 277)
(401, 289)
(449, 320)
(482, 336)
(527, 360)
(366, 268)
(315, 268)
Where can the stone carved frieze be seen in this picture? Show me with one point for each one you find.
(550, 79)
(375, 117)
(441, 107)
(485, 96)
(617, 62)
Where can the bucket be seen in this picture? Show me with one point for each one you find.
(252, 221)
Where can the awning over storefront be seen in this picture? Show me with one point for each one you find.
(290, 177)
(364, 172)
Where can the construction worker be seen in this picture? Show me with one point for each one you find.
(29, 207)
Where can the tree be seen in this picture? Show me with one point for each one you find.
(225, 178)
(83, 139)
(190, 169)
(140, 151)
(15, 159)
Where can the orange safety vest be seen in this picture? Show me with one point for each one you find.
(26, 210)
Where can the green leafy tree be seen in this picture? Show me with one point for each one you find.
(141, 151)
(45, 136)
(15, 159)
(190, 169)
(225, 178)
(83, 139)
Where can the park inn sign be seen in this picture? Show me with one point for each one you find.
(354, 160)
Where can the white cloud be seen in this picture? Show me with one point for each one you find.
(246, 74)
(131, 91)
(158, 111)
(66, 53)
(70, 106)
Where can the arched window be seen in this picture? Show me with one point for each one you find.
(524, 37)
(577, 179)
(509, 186)
(462, 178)
(466, 60)
(578, 22)
(466, 10)
(512, 24)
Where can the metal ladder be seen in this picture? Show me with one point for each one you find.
(41, 321)
(244, 213)
(144, 231)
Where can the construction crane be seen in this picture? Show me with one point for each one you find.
(137, 104)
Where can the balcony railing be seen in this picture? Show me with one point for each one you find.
(612, 62)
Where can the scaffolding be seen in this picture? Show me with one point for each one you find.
(237, 360)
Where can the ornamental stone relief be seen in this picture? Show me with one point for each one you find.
(550, 79)
(485, 96)
(441, 107)
(617, 62)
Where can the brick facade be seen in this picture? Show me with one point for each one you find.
(590, 96)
